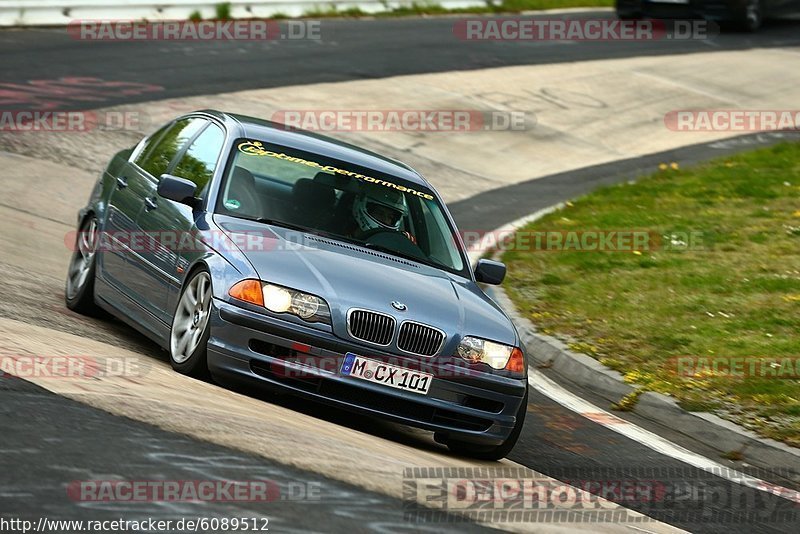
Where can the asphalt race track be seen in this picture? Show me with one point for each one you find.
(44, 434)
(349, 49)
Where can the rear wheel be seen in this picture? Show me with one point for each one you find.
(496, 452)
(751, 16)
(79, 290)
(190, 329)
(626, 12)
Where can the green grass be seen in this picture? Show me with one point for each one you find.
(736, 293)
(328, 10)
(223, 11)
(433, 8)
(333, 10)
(514, 6)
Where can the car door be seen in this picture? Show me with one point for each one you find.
(130, 189)
(173, 223)
(147, 274)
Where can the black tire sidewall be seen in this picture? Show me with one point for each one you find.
(745, 25)
(83, 301)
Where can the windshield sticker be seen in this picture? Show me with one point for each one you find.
(256, 148)
(233, 204)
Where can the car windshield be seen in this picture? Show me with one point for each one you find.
(300, 190)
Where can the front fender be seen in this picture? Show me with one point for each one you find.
(223, 274)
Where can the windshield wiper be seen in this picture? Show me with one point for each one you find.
(301, 228)
(371, 246)
(393, 252)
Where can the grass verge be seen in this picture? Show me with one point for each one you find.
(432, 8)
(331, 10)
(714, 322)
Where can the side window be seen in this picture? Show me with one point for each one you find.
(149, 143)
(200, 161)
(157, 160)
(438, 230)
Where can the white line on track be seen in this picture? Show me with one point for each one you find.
(684, 86)
(659, 444)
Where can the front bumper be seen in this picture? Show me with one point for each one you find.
(253, 347)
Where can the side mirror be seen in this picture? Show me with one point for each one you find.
(490, 272)
(177, 189)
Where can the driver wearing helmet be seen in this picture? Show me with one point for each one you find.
(379, 208)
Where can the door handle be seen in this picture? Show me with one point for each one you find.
(150, 204)
(122, 182)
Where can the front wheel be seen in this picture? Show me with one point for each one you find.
(498, 452)
(190, 330)
(79, 290)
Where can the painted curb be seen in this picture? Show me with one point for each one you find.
(552, 356)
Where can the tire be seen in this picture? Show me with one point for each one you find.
(751, 17)
(190, 330)
(79, 287)
(626, 13)
(498, 452)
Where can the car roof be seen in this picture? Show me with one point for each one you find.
(275, 132)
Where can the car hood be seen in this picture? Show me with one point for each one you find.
(348, 276)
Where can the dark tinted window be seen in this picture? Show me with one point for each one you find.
(156, 161)
(149, 143)
(200, 160)
(339, 199)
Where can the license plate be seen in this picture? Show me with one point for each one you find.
(388, 375)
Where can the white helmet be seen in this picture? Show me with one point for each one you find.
(379, 207)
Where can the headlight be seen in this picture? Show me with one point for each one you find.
(495, 355)
(276, 298)
(282, 300)
(308, 307)
(305, 305)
